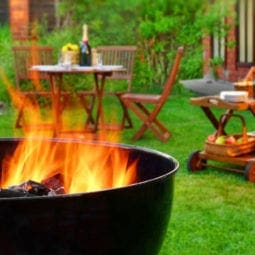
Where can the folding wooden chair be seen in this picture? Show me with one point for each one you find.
(87, 99)
(113, 55)
(120, 55)
(28, 83)
(137, 103)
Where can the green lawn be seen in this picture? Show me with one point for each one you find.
(212, 210)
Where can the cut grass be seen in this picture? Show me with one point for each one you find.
(213, 210)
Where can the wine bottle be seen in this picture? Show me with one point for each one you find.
(85, 49)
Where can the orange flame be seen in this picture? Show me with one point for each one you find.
(19, 100)
(84, 167)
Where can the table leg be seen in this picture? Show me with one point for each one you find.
(99, 84)
(56, 86)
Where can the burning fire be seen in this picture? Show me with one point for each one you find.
(83, 167)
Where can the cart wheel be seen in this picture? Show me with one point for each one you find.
(249, 173)
(195, 163)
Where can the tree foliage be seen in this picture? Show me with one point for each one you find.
(157, 27)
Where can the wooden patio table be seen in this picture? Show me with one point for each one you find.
(56, 73)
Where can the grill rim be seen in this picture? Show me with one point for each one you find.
(136, 148)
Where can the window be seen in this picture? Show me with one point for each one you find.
(218, 40)
(245, 32)
(218, 45)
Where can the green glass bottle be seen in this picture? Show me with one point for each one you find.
(85, 49)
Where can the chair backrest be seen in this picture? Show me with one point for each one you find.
(26, 56)
(250, 75)
(120, 55)
(172, 75)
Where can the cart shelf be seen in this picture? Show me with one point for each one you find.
(198, 160)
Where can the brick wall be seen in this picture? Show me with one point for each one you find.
(231, 70)
(19, 18)
(23, 13)
(235, 72)
(206, 54)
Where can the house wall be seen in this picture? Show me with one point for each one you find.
(44, 11)
(230, 71)
(23, 13)
(206, 41)
(19, 18)
(235, 72)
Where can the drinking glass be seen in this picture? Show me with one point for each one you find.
(67, 60)
(60, 59)
(99, 60)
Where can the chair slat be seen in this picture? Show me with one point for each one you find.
(120, 55)
(138, 104)
(24, 57)
(113, 55)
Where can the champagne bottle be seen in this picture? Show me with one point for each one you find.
(85, 49)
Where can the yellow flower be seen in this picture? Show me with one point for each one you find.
(70, 47)
(75, 47)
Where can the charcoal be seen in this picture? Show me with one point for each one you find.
(31, 187)
(55, 183)
(51, 186)
(8, 193)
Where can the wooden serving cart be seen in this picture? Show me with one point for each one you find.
(243, 162)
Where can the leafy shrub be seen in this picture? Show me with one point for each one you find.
(157, 28)
(6, 61)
